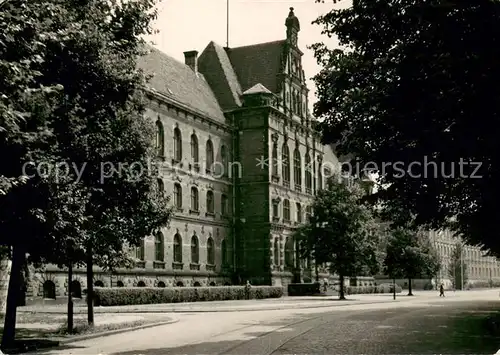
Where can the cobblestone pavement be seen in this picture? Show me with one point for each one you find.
(451, 326)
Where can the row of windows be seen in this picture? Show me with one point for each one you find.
(287, 211)
(195, 153)
(195, 250)
(297, 168)
(449, 249)
(195, 199)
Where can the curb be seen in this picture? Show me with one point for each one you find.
(113, 332)
(265, 309)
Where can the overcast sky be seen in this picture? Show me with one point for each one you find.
(191, 24)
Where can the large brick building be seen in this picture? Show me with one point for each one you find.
(221, 116)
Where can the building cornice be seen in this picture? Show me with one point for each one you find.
(210, 121)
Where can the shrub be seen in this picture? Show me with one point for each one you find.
(304, 289)
(383, 288)
(120, 296)
(428, 286)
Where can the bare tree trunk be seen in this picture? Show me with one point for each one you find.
(90, 286)
(9, 329)
(70, 298)
(341, 292)
(409, 287)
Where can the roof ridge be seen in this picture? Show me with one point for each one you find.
(259, 44)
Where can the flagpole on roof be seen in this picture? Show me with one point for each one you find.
(227, 23)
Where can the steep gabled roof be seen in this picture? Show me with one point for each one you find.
(259, 63)
(219, 73)
(179, 82)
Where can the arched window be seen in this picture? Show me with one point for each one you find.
(49, 290)
(159, 247)
(99, 283)
(141, 284)
(223, 205)
(210, 155)
(119, 284)
(210, 251)
(195, 250)
(308, 174)
(320, 176)
(289, 253)
(194, 199)
(196, 284)
(299, 212)
(210, 202)
(285, 164)
(177, 248)
(195, 152)
(161, 284)
(179, 284)
(297, 169)
(177, 145)
(76, 289)
(139, 251)
(223, 157)
(223, 247)
(276, 252)
(161, 185)
(212, 283)
(177, 195)
(286, 210)
(160, 139)
(275, 159)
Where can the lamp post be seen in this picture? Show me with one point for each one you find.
(462, 267)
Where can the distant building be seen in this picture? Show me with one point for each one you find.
(480, 269)
(241, 161)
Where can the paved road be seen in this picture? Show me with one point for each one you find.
(419, 325)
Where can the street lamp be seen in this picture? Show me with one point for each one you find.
(462, 267)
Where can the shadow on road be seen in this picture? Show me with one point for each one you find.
(452, 329)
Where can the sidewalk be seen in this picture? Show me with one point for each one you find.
(227, 306)
(265, 304)
(35, 331)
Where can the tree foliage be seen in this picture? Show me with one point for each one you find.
(77, 170)
(415, 82)
(410, 255)
(341, 232)
(72, 100)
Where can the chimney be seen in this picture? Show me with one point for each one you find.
(191, 60)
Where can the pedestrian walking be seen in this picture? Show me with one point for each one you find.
(247, 290)
(441, 290)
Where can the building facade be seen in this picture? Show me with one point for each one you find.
(480, 269)
(240, 158)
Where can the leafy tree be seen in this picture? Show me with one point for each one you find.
(413, 82)
(340, 232)
(409, 255)
(81, 104)
(456, 268)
